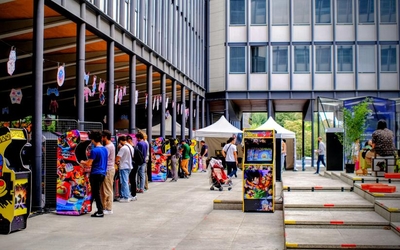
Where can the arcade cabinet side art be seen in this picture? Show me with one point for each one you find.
(15, 181)
(258, 170)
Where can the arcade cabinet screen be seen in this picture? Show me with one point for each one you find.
(259, 150)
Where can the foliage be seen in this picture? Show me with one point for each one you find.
(354, 124)
(257, 119)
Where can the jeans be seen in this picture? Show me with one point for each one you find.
(320, 159)
(142, 175)
(124, 179)
(132, 180)
(232, 168)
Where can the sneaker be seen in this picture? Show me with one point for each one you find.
(105, 211)
(97, 215)
(140, 191)
(133, 198)
(124, 200)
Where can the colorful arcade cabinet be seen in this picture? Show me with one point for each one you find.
(15, 181)
(73, 187)
(159, 161)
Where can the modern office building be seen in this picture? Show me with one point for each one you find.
(281, 55)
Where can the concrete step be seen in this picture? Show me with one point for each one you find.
(334, 218)
(373, 196)
(317, 188)
(396, 226)
(340, 238)
(388, 209)
(326, 200)
(238, 204)
(352, 178)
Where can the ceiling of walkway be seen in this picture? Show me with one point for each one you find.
(16, 30)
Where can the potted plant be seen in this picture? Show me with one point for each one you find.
(354, 125)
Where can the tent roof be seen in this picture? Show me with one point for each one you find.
(156, 130)
(281, 132)
(221, 128)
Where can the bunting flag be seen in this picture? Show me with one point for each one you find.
(94, 85)
(61, 75)
(146, 100)
(173, 104)
(136, 96)
(158, 102)
(154, 102)
(194, 113)
(11, 61)
(86, 78)
(120, 95)
(116, 95)
(178, 108)
(166, 103)
(186, 113)
(102, 85)
(16, 96)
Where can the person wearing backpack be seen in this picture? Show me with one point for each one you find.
(142, 147)
(133, 173)
(124, 161)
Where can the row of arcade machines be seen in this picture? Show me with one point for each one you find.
(15, 180)
(258, 170)
(73, 187)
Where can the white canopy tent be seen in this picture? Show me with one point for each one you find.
(156, 130)
(217, 134)
(289, 136)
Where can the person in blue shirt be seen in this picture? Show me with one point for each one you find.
(98, 164)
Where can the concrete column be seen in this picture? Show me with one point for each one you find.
(173, 129)
(190, 118)
(110, 81)
(183, 107)
(38, 36)
(132, 94)
(80, 65)
(163, 98)
(149, 112)
(197, 118)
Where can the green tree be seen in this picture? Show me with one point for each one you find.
(257, 119)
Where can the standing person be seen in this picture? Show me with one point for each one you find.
(124, 161)
(98, 163)
(133, 173)
(174, 156)
(283, 155)
(355, 151)
(185, 152)
(230, 153)
(142, 146)
(106, 190)
(383, 140)
(204, 155)
(146, 182)
(321, 154)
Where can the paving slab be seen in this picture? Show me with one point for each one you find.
(340, 238)
(307, 179)
(334, 218)
(170, 215)
(327, 200)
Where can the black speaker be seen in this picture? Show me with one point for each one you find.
(334, 152)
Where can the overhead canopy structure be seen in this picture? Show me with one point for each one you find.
(156, 130)
(281, 132)
(221, 128)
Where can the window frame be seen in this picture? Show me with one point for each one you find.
(347, 14)
(395, 58)
(237, 11)
(255, 17)
(308, 7)
(275, 52)
(307, 64)
(395, 12)
(320, 10)
(360, 59)
(372, 15)
(238, 58)
(287, 13)
(318, 64)
(340, 58)
(257, 59)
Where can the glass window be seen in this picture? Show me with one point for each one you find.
(345, 58)
(280, 59)
(280, 12)
(259, 59)
(366, 58)
(258, 12)
(366, 11)
(322, 11)
(237, 12)
(323, 59)
(388, 58)
(237, 60)
(345, 11)
(301, 58)
(301, 15)
(388, 11)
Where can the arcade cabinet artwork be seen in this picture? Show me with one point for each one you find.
(15, 181)
(159, 161)
(258, 166)
(73, 187)
(195, 156)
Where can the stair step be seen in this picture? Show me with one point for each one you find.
(317, 188)
(332, 217)
(372, 196)
(339, 238)
(388, 209)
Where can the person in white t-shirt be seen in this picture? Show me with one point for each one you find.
(230, 153)
(124, 161)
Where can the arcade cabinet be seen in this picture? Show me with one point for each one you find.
(258, 170)
(73, 187)
(159, 160)
(15, 181)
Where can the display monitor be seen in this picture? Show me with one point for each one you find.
(259, 151)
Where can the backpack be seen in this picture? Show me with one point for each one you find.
(138, 157)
